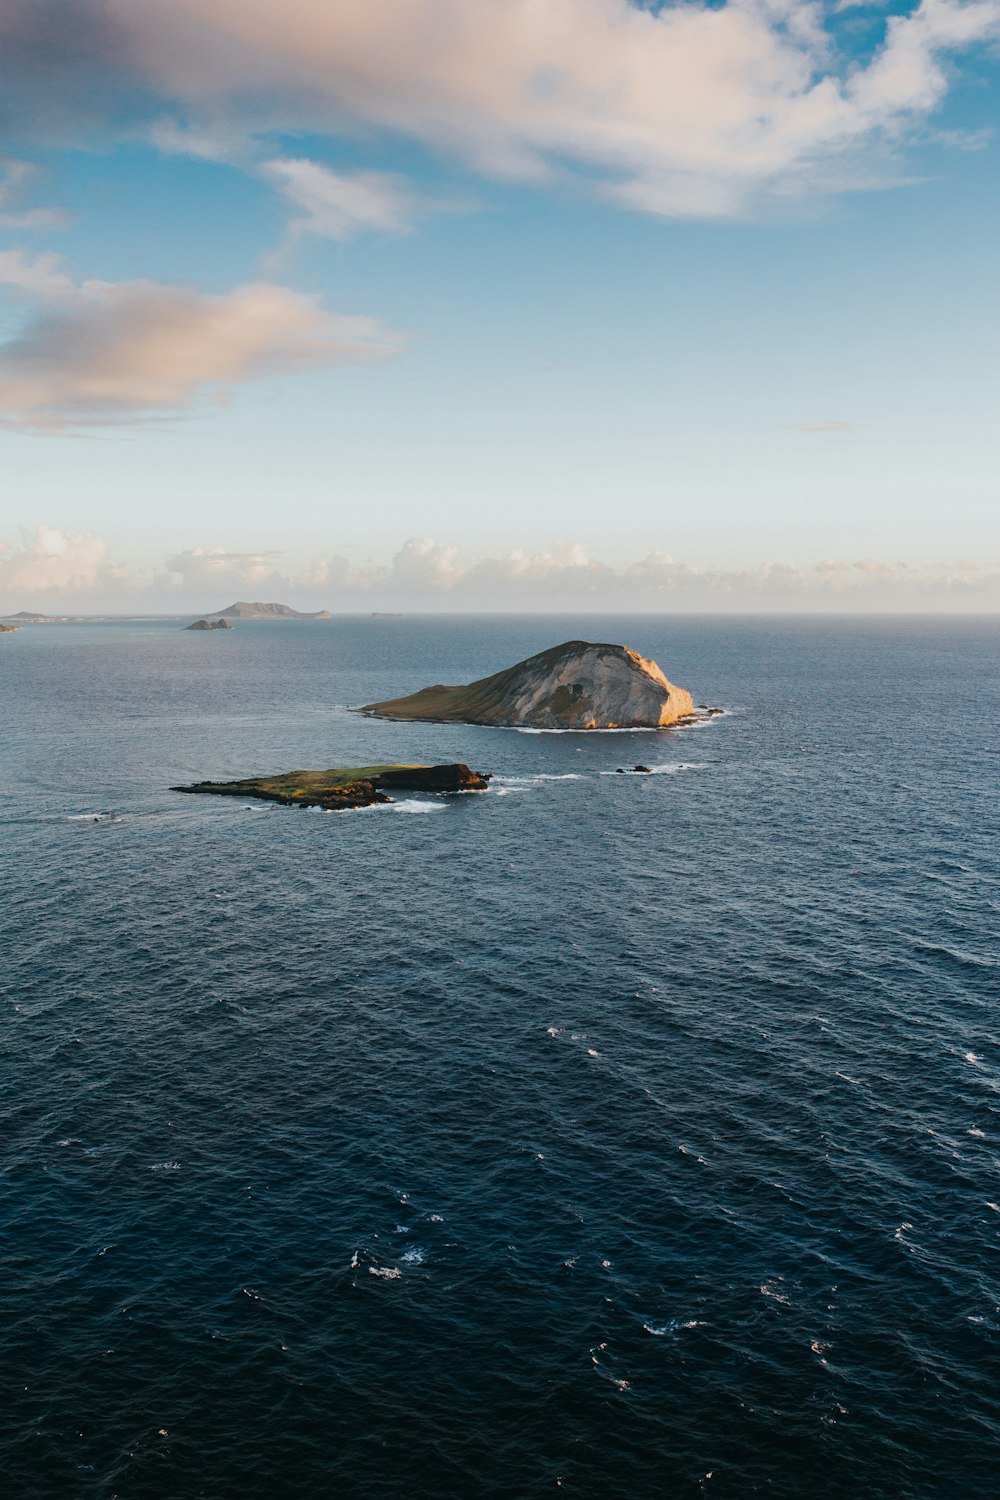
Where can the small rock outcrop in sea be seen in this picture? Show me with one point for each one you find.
(346, 786)
(209, 625)
(579, 685)
(8, 629)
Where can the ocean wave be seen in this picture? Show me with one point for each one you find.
(539, 776)
(668, 768)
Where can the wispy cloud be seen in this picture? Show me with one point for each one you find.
(16, 179)
(339, 205)
(100, 352)
(826, 426)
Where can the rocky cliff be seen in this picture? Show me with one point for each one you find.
(579, 685)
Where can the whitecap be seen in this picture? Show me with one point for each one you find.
(540, 776)
(972, 1057)
(385, 1273)
(401, 807)
(669, 768)
(413, 1256)
(672, 1325)
(166, 1166)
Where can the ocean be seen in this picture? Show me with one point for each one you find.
(608, 1136)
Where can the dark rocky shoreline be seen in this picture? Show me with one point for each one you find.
(341, 789)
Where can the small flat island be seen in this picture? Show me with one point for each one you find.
(345, 787)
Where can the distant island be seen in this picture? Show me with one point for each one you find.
(578, 685)
(245, 609)
(347, 786)
(209, 625)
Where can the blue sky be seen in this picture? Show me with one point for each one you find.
(461, 303)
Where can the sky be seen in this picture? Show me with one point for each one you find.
(499, 304)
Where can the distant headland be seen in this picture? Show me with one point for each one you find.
(345, 787)
(245, 609)
(578, 685)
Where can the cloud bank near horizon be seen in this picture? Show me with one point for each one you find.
(52, 572)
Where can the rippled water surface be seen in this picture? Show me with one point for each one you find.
(614, 1136)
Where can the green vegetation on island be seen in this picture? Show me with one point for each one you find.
(343, 787)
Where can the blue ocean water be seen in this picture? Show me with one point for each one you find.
(610, 1136)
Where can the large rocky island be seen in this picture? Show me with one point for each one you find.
(579, 685)
(256, 609)
(346, 786)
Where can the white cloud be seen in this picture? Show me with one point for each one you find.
(49, 562)
(429, 575)
(339, 205)
(102, 351)
(687, 109)
(204, 570)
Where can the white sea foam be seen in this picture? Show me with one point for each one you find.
(672, 1325)
(385, 1273)
(669, 768)
(413, 1256)
(640, 729)
(166, 1166)
(539, 776)
(400, 807)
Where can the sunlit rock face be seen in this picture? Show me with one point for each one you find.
(579, 685)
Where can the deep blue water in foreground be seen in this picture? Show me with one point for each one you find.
(610, 1136)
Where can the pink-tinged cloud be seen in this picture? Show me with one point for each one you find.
(682, 109)
(105, 351)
